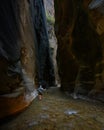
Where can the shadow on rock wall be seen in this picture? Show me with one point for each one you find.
(80, 46)
(24, 53)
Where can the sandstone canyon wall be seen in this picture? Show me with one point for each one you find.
(80, 33)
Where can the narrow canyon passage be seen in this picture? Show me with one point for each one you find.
(57, 45)
(57, 111)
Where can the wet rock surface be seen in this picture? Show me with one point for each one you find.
(79, 30)
(57, 111)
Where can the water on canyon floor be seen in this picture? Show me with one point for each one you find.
(57, 111)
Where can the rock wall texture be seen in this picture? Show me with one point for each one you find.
(45, 65)
(24, 53)
(17, 51)
(49, 8)
(80, 33)
(16, 46)
(24, 45)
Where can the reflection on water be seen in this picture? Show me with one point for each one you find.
(70, 112)
(32, 123)
(44, 116)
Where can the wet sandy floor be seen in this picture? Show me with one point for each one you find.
(56, 111)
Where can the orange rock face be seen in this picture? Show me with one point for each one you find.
(17, 51)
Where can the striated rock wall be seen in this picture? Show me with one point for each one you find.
(17, 49)
(80, 33)
(24, 45)
(67, 65)
(45, 65)
(49, 9)
(24, 53)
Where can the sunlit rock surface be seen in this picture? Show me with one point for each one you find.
(49, 9)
